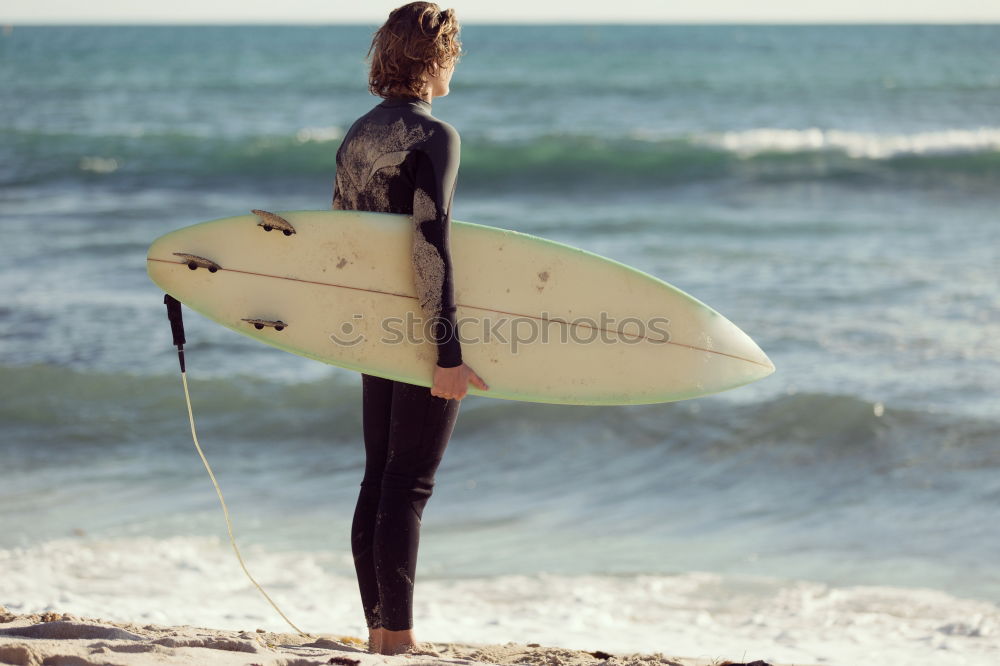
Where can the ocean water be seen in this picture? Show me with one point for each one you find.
(834, 191)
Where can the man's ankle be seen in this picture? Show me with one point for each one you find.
(397, 642)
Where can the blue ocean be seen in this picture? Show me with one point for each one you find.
(832, 190)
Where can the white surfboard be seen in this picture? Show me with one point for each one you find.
(539, 321)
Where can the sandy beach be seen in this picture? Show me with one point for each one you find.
(37, 639)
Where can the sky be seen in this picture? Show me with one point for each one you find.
(504, 11)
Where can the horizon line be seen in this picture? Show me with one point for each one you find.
(7, 24)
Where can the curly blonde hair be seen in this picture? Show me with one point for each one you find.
(413, 39)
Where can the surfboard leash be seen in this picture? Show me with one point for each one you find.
(177, 329)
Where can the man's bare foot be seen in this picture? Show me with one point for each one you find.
(397, 642)
(375, 640)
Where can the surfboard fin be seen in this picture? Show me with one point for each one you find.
(195, 262)
(271, 221)
(261, 323)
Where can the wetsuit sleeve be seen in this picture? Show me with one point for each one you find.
(337, 204)
(436, 169)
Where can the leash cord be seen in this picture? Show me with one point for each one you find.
(225, 511)
(177, 328)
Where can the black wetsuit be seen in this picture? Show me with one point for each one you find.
(398, 158)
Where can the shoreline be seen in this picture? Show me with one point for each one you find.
(33, 639)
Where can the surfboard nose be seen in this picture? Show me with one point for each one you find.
(740, 345)
(730, 357)
(767, 365)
